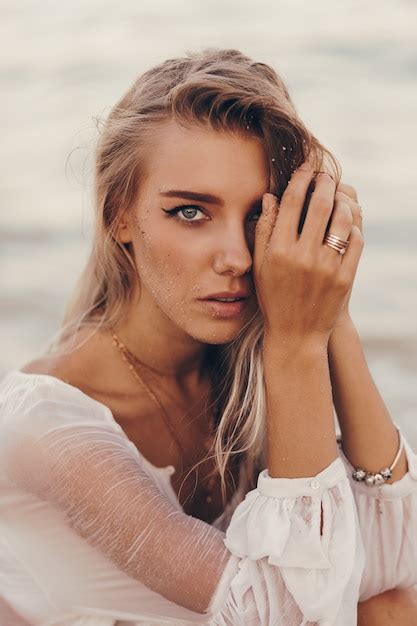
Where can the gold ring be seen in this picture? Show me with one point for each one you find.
(335, 242)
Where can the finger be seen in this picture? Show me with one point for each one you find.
(351, 258)
(356, 208)
(319, 211)
(348, 190)
(341, 223)
(265, 226)
(291, 205)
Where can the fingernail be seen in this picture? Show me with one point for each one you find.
(268, 201)
(321, 174)
(305, 167)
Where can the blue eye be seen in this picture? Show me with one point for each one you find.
(186, 209)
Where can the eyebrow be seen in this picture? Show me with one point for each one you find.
(199, 197)
(193, 195)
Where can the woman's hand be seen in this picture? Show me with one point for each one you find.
(348, 194)
(301, 283)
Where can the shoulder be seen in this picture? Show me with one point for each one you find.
(73, 364)
(90, 364)
(46, 392)
(70, 374)
(39, 401)
(85, 382)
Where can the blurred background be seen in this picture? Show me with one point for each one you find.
(351, 69)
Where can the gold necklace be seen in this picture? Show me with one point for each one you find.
(129, 358)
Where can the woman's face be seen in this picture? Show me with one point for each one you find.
(193, 228)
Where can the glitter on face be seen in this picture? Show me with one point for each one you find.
(178, 264)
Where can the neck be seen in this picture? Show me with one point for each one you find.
(175, 357)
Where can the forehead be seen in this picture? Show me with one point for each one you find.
(203, 159)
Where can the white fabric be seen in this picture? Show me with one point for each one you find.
(92, 534)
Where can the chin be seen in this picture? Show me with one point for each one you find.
(218, 332)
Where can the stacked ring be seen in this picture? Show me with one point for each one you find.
(337, 243)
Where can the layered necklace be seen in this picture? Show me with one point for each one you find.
(134, 364)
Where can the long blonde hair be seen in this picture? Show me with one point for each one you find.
(228, 91)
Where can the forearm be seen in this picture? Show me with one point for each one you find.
(300, 422)
(369, 437)
(395, 606)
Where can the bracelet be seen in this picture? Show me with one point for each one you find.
(377, 478)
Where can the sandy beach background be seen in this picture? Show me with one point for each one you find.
(352, 72)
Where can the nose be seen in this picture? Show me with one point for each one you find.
(234, 251)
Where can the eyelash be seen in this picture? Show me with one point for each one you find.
(174, 213)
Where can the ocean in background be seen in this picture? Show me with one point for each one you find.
(351, 69)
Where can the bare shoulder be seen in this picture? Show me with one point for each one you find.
(39, 366)
(73, 366)
(95, 369)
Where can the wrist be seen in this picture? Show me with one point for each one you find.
(343, 321)
(343, 329)
(278, 349)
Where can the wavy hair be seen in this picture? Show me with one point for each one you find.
(227, 90)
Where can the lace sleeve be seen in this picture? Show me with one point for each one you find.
(272, 567)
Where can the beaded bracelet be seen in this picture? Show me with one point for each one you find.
(377, 478)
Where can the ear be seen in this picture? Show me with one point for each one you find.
(123, 233)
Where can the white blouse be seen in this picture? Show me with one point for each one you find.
(93, 534)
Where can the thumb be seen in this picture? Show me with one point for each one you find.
(264, 227)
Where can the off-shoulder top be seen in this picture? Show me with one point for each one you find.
(93, 534)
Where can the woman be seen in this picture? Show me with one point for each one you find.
(172, 458)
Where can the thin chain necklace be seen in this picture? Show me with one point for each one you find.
(129, 359)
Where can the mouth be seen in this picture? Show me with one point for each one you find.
(225, 309)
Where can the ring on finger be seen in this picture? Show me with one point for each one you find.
(337, 243)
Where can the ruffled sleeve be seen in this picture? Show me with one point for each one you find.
(388, 522)
(88, 533)
(277, 527)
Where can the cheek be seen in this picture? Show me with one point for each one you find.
(168, 267)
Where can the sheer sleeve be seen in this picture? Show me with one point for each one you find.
(140, 555)
(388, 522)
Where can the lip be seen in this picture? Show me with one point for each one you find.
(225, 309)
(227, 294)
